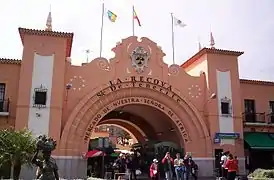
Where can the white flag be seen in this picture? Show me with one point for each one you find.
(178, 22)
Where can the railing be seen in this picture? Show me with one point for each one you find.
(254, 117)
(270, 118)
(4, 106)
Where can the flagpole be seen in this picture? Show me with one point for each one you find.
(172, 36)
(133, 25)
(102, 27)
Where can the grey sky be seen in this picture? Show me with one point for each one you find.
(244, 25)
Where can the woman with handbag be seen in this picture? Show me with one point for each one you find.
(154, 170)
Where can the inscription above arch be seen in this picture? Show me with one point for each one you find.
(141, 90)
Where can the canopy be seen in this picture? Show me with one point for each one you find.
(93, 153)
(257, 140)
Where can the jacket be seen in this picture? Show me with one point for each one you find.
(231, 165)
(165, 164)
(153, 167)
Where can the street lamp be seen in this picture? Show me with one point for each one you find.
(213, 96)
(206, 116)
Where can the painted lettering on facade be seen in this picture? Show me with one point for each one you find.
(141, 82)
(132, 100)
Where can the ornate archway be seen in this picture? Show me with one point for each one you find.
(88, 113)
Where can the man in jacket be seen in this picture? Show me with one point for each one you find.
(168, 163)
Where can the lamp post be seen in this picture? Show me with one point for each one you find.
(206, 116)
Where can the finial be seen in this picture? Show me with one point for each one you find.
(49, 21)
(199, 44)
(87, 54)
(212, 41)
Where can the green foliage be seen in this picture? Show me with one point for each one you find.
(16, 146)
(262, 174)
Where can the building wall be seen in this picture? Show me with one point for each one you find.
(9, 74)
(261, 92)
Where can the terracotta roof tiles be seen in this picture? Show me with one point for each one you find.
(9, 61)
(68, 36)
(203, 51)
(44, 33)
(258, 82)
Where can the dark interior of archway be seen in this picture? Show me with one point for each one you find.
(156, 125)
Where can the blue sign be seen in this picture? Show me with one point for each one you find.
(227, 135)
(217, 140)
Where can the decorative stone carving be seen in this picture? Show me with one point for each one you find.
(174, 69)
(103, 64)
(139, 59)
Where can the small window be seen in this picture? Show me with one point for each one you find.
(40, 98)
(225, 107)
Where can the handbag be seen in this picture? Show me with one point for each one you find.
(138, 172)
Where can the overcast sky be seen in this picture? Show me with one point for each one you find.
(244, 25)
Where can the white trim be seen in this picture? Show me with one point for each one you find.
(4, 113)
(258, 124)
(67, 157)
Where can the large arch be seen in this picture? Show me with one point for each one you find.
(121, 126)
(130, 128)
(88, 113)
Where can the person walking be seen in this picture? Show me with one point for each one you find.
(131, 166)
(187, 163)
(179, 167)
(232, 167)
(194, 169)
(154, 170)
(168, 163)
(223, 162)
(120, 164)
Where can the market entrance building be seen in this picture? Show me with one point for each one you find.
(149, 90)
(196, 105)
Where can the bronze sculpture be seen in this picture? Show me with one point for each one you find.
(47, 168)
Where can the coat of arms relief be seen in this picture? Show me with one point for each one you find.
(139, 59)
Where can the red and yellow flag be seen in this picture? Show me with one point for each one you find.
(136, 17)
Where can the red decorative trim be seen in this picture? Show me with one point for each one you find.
(203, 51)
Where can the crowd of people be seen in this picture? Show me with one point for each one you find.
(229, 165)
(184, 168)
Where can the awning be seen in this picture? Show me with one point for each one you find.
(257, 140)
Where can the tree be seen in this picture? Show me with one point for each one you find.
(16, 148)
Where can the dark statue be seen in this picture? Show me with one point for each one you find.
(47, 168)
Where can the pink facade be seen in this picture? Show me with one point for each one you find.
(188, 104)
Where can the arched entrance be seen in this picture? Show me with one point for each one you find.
(192, 131)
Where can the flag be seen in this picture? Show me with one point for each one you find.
(111, 16)
(178, 22)
(136, 17)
